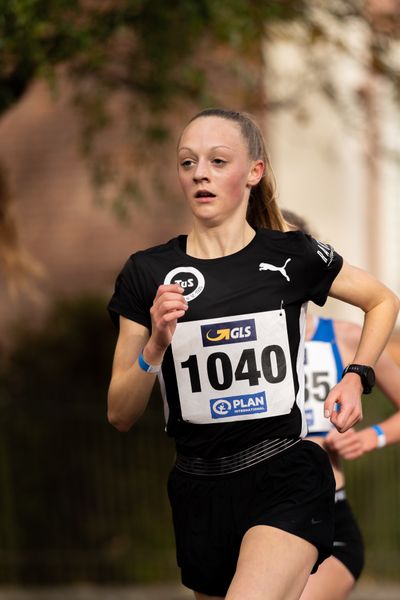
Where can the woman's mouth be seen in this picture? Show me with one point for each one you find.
(204, 195)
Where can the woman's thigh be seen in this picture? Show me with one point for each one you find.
(332, 581)
(272, 564)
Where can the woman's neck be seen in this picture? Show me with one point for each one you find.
(215, 242)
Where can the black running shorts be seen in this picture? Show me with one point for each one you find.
(348, 544)
(293, 491)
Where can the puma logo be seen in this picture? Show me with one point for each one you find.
(267, 267)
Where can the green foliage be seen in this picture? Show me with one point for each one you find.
(152, 52)
(79, 500)
(35, 35)
(373, 487)
(155, 39)
(155, 53)
(72, 342)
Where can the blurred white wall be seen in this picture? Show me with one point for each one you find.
(333, 131)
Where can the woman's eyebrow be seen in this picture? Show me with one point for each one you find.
(212, 148)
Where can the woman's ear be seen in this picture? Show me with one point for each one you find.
(256, 172)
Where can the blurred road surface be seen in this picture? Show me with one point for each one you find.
(364, 591)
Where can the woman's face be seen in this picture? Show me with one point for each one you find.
(215, 170)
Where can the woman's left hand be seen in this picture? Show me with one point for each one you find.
(343, 403)
(351, 444)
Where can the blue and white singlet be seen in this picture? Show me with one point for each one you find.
(323, 369)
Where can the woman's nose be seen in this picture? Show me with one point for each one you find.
(201, 172)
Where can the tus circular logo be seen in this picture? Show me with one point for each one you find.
(189, 278)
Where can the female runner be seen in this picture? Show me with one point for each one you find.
(219, 315)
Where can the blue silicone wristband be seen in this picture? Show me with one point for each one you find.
(378, 429)
(380, 434)
(146, 367)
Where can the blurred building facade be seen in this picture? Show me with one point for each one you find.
(80, 244)
(334, 135)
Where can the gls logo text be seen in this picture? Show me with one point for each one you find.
(231, 332)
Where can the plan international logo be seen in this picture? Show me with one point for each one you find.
(236, 406)
(231, 332)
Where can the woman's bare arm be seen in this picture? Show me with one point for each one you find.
(381, 306)
(130, 386)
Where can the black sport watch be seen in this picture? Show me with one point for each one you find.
(367, 375)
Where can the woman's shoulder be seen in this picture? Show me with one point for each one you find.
(293, 239)
(154, 251)
(295, 234)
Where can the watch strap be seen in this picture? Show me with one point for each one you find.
(362, 371)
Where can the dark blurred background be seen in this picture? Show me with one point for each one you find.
(92, 97)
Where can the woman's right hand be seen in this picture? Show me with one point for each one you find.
(169, 305)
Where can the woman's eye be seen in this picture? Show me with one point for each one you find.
(186, 163)
(219, 161)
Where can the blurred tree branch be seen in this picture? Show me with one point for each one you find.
(143, 49)
(153, 53)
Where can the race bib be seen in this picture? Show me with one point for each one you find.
(233, 368)
(320, 376)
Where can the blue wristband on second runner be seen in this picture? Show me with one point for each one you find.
(381, 436)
